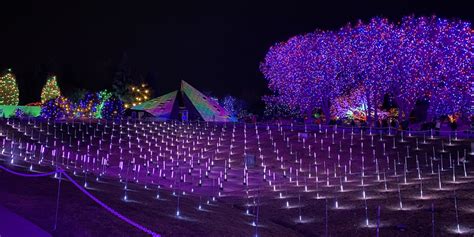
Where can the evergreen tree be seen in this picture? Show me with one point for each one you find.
(122, 80)
(9, 93)
(138, 94)
(77, 94)
(50, 90)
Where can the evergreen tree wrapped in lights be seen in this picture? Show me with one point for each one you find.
(138, 94)
(50, 90)
(122, 79)
(9, 94)
(112, 108)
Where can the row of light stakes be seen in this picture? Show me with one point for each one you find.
(286, 135)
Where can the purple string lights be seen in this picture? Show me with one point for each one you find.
(28, 175)
(419, 58)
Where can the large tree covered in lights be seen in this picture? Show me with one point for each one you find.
(434, 59)
(330, 75)
(371, 60)
(9, 93)
(451, 66)
(417, 58)
(294, 74)
(308, 71)
(50, 90)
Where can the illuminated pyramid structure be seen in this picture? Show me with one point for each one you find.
(160, 107)
(186, 104)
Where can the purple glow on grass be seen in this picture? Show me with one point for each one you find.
(117, 214)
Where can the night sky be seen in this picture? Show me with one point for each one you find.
(215, 46)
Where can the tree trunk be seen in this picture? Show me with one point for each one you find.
(369, 107)
(326, 109)
(401, 107)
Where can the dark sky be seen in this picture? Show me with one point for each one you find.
(215, 46)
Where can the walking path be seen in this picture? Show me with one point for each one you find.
(13, 225)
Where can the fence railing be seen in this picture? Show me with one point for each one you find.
(87, 193)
